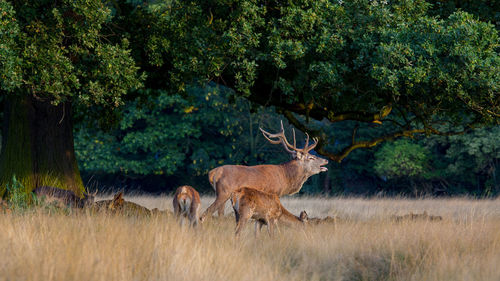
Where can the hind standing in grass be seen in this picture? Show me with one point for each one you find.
(187, 204)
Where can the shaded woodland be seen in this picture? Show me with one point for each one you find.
(149, 95)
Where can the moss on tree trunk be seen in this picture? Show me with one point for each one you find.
(37, 145)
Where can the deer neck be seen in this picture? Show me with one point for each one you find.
(289, 218)
(296, 176)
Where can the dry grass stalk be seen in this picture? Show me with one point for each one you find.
(364, 245)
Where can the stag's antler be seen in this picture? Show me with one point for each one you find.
(281, 138)
(308, 148)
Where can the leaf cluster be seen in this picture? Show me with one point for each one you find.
(391, 62)
(59, 51)
(176, 135)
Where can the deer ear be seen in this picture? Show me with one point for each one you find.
(303, 215)
(118, 196)
(299, 155)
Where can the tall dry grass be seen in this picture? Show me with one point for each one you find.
(366, 245)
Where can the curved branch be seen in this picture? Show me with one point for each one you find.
(354, 131)
(338, 157)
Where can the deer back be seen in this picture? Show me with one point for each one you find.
(268, 178)
(56, 194)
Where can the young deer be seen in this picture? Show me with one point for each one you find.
(265, 208)
(63, 197)
(187, 204)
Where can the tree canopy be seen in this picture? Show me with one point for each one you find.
(55, 56)
(196, 78)
(59, 52)
(393, 63)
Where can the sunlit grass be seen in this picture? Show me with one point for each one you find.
(365, 245)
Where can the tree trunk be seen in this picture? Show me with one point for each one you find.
(37, 145)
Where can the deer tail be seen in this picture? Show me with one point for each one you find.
(213, 176)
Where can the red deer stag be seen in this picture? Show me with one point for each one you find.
(283, 179)
(264, 208)
(187, 204)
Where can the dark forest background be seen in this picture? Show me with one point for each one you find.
(175, 141)
(160, 92)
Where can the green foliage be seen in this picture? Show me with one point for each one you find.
(471, 159)
(402, 158)
(54, 52)
(18, 198)
(453, 57)
(175, 135)
(486, 10)
(59, 51)
(475, 151)
(358, 60)
(461, 164)
(9, 62)
(407, 65)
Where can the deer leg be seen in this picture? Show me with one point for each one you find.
(270, 228)
(242, 219)
(194, 216)
(220, 210)
(181, 220)
(236, 215)
(177, 209)
(276, 226)
(219, 201)
(258, 227)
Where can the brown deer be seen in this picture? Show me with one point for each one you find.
(119, 205)
(265, 208)
(283, 179)
(187, 204)
(325, 220)
(63, 197)
(414, 217)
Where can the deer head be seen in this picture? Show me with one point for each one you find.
(310, 163)
(117, 201)
(89, 198)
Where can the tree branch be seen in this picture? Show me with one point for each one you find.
(311, 109)
(354, 131)
(338, 157)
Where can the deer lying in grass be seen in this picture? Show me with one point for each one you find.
(264, 208)
(325, 220)
(63, 197)
(119, 205)
(187, 204)
(158, 212)
(414, 217)
(283, 179)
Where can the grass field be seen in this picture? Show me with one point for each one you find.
(364, 245)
